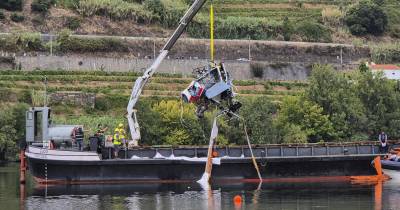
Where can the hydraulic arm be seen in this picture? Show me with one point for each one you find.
(141, 81)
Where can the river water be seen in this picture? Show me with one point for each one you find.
(323, 195)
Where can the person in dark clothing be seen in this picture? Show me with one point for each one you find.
(383, 140)
(77, 136)
(100, 132)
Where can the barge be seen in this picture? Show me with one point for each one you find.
(185, 164)
(276, 163)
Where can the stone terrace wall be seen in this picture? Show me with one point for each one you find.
(73, 98)
(281, 60)
(268, 51)
(239, 70)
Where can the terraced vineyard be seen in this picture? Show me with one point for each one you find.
(275, 10)
(117, 83)
(290, 20)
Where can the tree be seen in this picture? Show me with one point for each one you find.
(381, 101)
(12, 128)
(157, 8)
(363, 67)
(175, 122)
(337, 95)
(294, 134)
(287, 29)
(12, 5)
(258, 113)
(300, 115)
(366, 18)
(312, 31)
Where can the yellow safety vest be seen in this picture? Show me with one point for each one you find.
(118, 136)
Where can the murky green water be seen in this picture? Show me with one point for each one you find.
(338, 195)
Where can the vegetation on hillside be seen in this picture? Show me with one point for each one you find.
(300, 20)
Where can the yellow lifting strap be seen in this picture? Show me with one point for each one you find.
(211, 32)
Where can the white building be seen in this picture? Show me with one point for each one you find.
(390, 71)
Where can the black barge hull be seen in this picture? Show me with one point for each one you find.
(45, 168)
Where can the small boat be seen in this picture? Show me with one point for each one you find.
(391, 168)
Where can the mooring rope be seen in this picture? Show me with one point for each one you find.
(251, 152)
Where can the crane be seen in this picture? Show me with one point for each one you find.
(141, 81)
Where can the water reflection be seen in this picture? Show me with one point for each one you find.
(332, 195)
(220, 196)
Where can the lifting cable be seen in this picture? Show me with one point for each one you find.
(211, 32)
(249, 145)
(213, 137)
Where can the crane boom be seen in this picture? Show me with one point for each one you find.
(141, 81)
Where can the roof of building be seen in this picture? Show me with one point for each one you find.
(384, 67)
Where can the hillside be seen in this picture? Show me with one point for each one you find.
(305, 20)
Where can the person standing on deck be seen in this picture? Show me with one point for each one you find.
(119, 138)
(77, 136)
(383, 140)
(100, 132)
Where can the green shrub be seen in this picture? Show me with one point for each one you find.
(363, 67)
(395, 31)
(173, 12)
(73, 23)
(67, 43)
(257, 70)
(2, 16)
(311, 31)
(366, 18)
(115, 9)
(17, 17)
(235, 28)
(21, 42)
(41, 6)
(38, 20)
(156, 7)
(72, 4)
(102, 104)
(386, 53)
(287, 29)
(12, 5)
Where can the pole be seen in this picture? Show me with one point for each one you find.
(211, 32)
(51, 45)
(204, 180)
(22, 167)
(249, 50)
(154, 48)
(45, 91)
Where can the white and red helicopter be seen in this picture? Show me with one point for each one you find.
(213, 85)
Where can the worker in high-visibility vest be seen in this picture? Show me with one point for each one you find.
(119, 138)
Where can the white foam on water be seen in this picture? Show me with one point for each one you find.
(159, 156)
(136, 157)
(203, 181)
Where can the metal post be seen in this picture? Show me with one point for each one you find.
(154, 48)
(341, 56)
(51, 45)
(45, 91)
(22, 167)
(249, 50)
